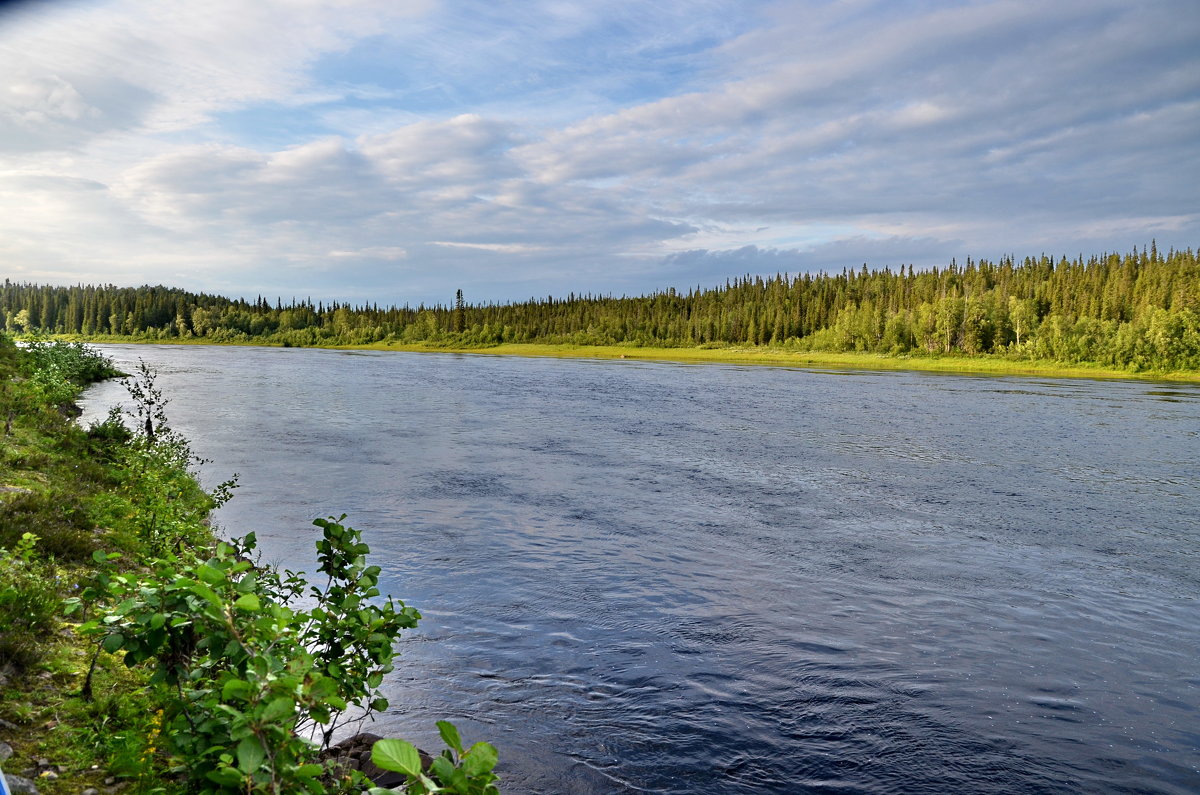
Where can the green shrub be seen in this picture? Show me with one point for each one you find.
(74, 362)
(65, 530)
(29, 603)
(106, 439)
(254, 676)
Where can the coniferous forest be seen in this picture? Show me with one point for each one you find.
(1139, 311)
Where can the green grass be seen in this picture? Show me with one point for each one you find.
(982, 365)
(987, 364)
(65, 486)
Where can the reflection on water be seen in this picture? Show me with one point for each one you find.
(643, 577)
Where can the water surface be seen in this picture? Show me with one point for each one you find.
(654, 577)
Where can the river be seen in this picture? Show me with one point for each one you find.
(656, 577)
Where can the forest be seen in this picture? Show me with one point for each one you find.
(1138, 311)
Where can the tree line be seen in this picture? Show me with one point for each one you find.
(1138, 311)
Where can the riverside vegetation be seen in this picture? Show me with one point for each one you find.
(1132, 313)
(138, 651)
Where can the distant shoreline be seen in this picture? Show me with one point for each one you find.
(771, 357)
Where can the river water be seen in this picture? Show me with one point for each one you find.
(654, 577)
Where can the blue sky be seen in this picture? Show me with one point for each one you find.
(398, 151)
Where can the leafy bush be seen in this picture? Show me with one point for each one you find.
(29, 603)
(255, 676)
(466, 772)
(107, 438)
(56, 370)
(169, 507)
(64, 526)
(75, 362)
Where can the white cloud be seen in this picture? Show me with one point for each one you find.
(831, 130)
(154, 67)
(502, 248)
(371, 253)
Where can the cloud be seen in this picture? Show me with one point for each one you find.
(362, 147)
(503, 248)
(371, 253)
(156, 67)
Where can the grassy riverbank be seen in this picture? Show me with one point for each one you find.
(65, 493)
(758, 355)
(139, 653)
(778, 357)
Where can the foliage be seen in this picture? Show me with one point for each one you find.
(465, 772)
(252, 669)
(58, 369)
(29, 603)
(256, 674)
(158, 467)
(149, 404)
(39, 440)
(1138, 311)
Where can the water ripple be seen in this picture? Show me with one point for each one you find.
(652, 578)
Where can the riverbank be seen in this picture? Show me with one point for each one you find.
(775, 357)
(140, 653)
(66, 493)
(987, 364)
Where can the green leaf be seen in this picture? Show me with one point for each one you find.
(210, 575)
(450, 735)
(480, 759)
(322, 686)
(250, 754)
(225, 776)
(442, 768)
(113, 642)
(282, 707)
(237, 715)
(248, 602)
(235, 688)
(398, 756)
(379, 704)
(205, 593)
(157, 620)
(310, 770)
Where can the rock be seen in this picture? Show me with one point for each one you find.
(90, 791)
(49, 774)
(6, 752)
(7, 725)
(19, 785)
(108, 782)
(355, 753)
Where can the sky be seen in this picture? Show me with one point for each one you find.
(394, 152)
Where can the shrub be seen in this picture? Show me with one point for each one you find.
(256, 675)
(29, 603)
